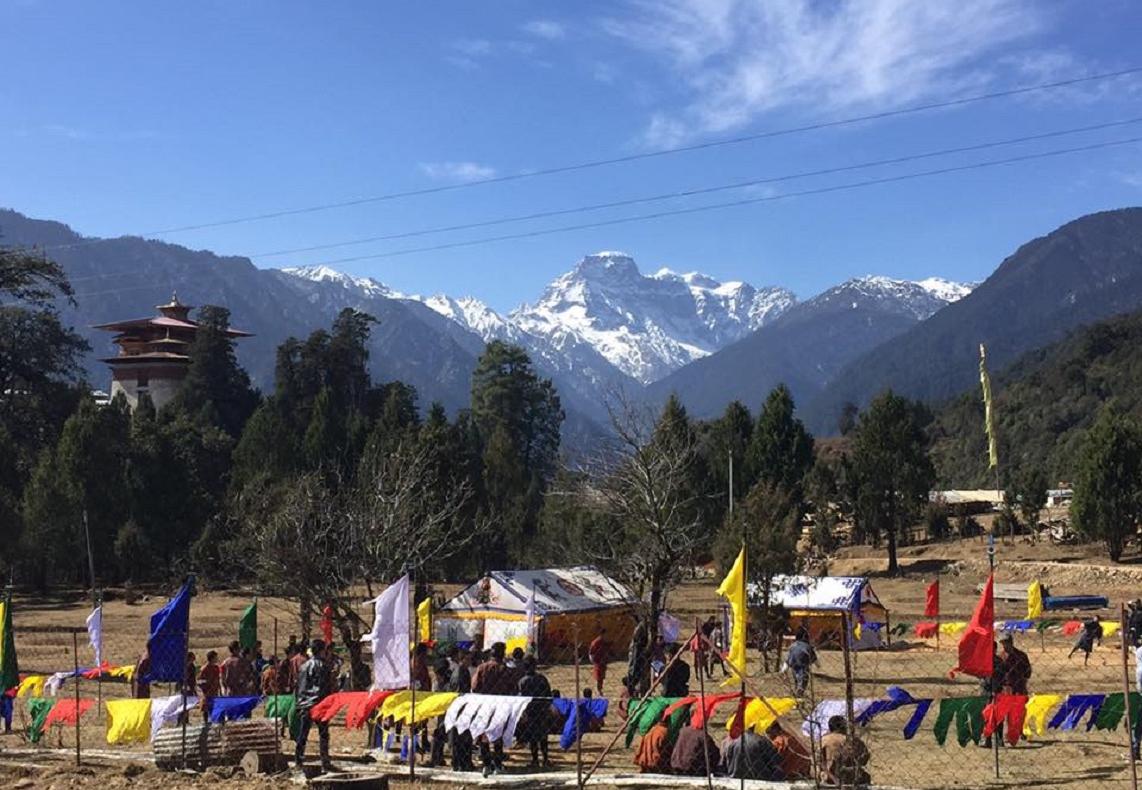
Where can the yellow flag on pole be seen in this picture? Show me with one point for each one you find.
(988, 410)
(732, 589)
(424, 620)
(1035, 601)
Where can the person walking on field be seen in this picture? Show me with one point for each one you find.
(799, 659)
(1091, 633)
(597, 652)
(314, 683)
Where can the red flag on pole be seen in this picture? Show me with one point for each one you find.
(977, 645)
(932, 600)
(327, 624)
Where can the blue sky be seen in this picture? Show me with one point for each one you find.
(123, 118)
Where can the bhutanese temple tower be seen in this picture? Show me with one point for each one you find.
(154, 353)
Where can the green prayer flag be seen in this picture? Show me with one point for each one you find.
(248, 626)
(38, 710)
(968, 715)
(9, 667)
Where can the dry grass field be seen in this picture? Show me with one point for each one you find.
(1060, 758)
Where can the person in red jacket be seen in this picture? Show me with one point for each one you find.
(598, 653)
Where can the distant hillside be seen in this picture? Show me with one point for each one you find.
(806, 346)
(1043, 404)
(1086, 271)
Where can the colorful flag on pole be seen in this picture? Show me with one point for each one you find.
(248, 626)
(327, 624)
(95, 633)
(988, 410)
(389, 637)
(9, 667)
(170, 627)
(977, 645)
(732, 589)
(1035, 601)
(932, 600)
(424, 620)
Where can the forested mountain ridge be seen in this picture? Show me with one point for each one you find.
(1085, 271)
(1044, 404)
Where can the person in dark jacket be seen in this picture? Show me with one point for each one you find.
(314, 683)
(693, 751)
(676, 678)
(1091, 633)
(751, 756)
(535, 722)
(1015, 670)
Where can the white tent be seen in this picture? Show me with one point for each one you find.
(494, 608)
(816, 602)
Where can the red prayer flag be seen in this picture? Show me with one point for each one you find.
(738, 725)
(327, 624)
(977, 645)
(925, 630)
(932, 600)
(66, 712)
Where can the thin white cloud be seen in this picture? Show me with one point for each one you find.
(457, 171)
(544, 28)
(740, 59)
(473, 47)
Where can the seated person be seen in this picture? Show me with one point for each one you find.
(691, 752)
(751, 756)
(844, 756)
(796, 763)
(654, 751)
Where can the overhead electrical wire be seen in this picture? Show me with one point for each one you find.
(698, 190)
(736, 203)
(588, 165)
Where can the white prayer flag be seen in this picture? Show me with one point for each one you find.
(95, 633)
(167, 709)
(529, 610)
(390, 637)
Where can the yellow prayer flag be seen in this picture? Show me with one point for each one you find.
(988, 411)
(758, 715)
(732, 589)
(31, 686)
(1109, 629)
(951, 629)
(424, 620)
(1035, 601)
(128, 720)
(1038, 706)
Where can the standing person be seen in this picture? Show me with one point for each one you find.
(1136, 736)
(535, 721)
(460, 744)
(638, 665)
(1134, 622)
(271, 685)
(441, 681)
(799, 659)
(1091, 633)
(314, 683)
(140, 680)
(598, 651)
(718, 640)
(844, 756)
(420, 667)
(237, 674)
(296, 660)
(259, 660)
(210, 682)
(493, 677)
(1015, 670)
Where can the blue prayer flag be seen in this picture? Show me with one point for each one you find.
(167, 642)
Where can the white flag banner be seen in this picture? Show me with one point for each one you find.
(529, 610)
(95, 633)
(390, 637)
(168, 709)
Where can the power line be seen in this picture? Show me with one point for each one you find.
(699, 190)
(735, 203)
(588, 165)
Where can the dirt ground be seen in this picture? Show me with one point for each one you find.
(1058, 758)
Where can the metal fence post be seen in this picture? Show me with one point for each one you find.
(75, 656)
(575, 713)
(1130, 724)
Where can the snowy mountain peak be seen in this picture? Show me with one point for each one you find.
(366, 286)
(947, 290)
(918, 299)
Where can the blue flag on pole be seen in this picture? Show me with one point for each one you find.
(167, 642)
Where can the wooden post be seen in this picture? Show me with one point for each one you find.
(75, 655)
(575, 713)
(696, 643)
(1122, 629)
(850, 719)
(412, 688)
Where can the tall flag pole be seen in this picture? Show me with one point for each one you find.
(989, 418)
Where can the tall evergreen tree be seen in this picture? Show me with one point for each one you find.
(216, 388)
(892, 472)
(1108, 487)
(780, 449)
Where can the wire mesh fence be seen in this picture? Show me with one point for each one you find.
(893, 714)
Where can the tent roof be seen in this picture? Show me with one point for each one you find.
(557, 590)
(821, 593)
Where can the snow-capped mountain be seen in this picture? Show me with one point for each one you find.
(919, 299)
(355, 287)
(647, 326)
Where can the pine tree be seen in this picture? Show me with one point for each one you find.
(780, 449)
(216, 389)
(892, 473)
(1108, 487)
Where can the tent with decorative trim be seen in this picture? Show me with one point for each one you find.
(817, 602)
(494, 609)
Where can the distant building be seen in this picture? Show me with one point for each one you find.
(968, 502)
(153, 353)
